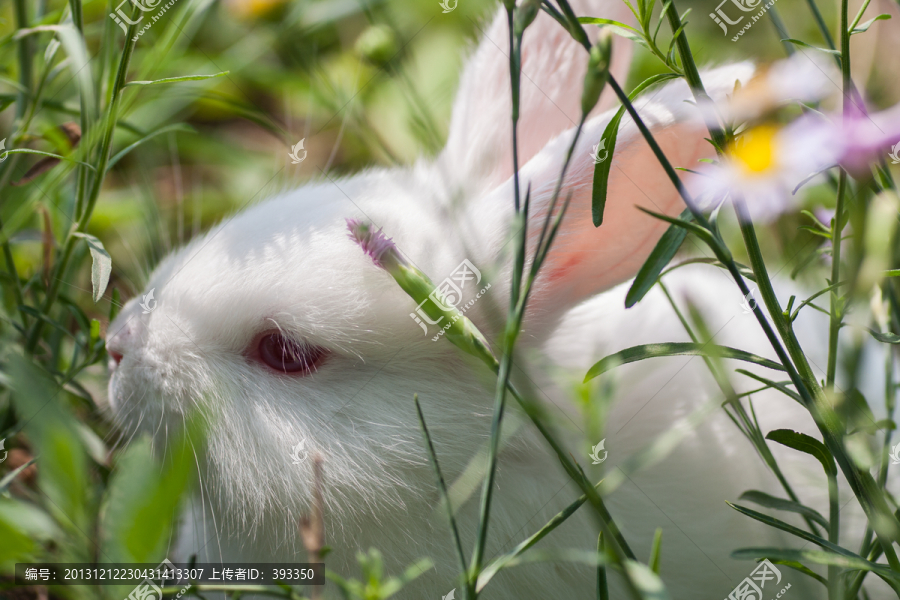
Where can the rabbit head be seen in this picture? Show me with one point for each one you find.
(292, 342)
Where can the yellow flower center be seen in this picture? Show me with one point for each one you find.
(756, 153)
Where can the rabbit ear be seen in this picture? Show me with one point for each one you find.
(585, 260)
(479, 143)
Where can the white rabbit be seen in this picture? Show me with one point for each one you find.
(286, 267)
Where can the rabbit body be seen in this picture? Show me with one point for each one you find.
(287, 265)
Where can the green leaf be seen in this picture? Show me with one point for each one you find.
(17, 545)
(805, 45)
(768, 501)
(795, 531)
(793, 564)
(887, 338)
(101, 265)
(656, 551)
(50, 154)
(865, 26)
(663, 252)
(176, 127)
(819, 557)
(9, 477)
(115, 303)
(648, 583)
(177, 79)
(804, 443)
(505, 560)
(781, 387)
(62, 460)
(636, 353)
(599, 21)
(143, 497)
(610, 134)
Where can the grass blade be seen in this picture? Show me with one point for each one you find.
(768, 501)
(661, 255)
(610, 133)
(644, 351)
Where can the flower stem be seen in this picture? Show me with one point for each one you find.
(691, 73)
(836, 308)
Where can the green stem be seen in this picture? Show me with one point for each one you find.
(25, 76)
(753, 434)
(691, 73)
(834, 527)
(442, 486)
(836, 309)
(83, 173)
(820, 23)
(26, 51)
(84, 218)
(859, 16)
(781, 29)
(829, 424)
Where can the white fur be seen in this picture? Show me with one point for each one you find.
(288, 263)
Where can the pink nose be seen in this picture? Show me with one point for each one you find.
(124, 339)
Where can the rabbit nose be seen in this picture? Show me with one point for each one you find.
(123, 340)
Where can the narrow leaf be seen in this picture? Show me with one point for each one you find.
(648, 583)
(768, 501)
(9, 477)
(805, 45)
(176, 127)
(804, 443)
(101, 265)
(656, 551)
(608, 139)
(819, 557)
(798, 567)
(865, 26)
(507, 559)
(177, 79)
(887, 338)
(663, 252)
(636, 353)
(795, 531)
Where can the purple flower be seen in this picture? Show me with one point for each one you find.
(380, 248)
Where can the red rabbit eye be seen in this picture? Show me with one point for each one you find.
(287, 356)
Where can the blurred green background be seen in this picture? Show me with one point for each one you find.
(363, 83)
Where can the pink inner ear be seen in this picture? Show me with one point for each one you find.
(586, 260)
(479, 143)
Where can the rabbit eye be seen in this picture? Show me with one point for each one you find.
(287, 356)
